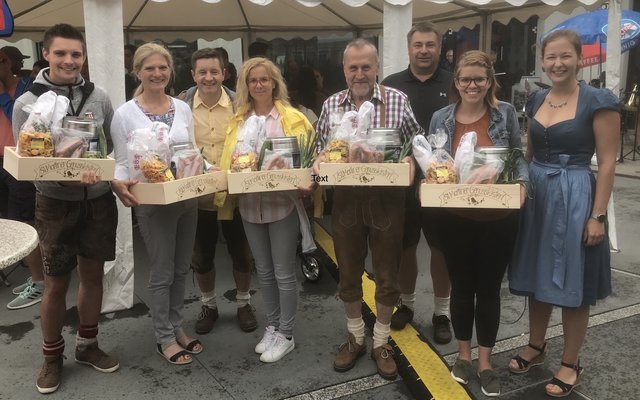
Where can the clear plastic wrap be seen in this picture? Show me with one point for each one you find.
(35, 138)
(276, 160)
(484, 170)
(337, 148)
(244, 156)
(149, 153)
(71, 143)
(155, 169)
(441, 168)
(364, 151)
(187, 162)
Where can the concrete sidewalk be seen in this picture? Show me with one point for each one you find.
(228, 368)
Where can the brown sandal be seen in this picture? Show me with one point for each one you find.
(525, 365)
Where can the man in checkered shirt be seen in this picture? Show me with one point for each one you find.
(373, 214)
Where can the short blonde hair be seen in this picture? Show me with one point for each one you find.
(476, 58)
(145, 51)
(244, 103)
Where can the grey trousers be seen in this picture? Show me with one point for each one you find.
(168, 233)
(274, 248)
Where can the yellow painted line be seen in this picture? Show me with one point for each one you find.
(429, 367)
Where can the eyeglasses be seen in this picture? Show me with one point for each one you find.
(480, 81)
(255, 81)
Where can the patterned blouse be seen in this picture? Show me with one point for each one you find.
(166, 118)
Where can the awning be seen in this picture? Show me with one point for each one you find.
(267, 19)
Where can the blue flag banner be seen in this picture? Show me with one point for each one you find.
(6, 20)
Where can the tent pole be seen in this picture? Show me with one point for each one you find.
(105, 41)
(396, 22)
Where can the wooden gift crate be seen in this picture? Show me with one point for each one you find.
(359, 174)
(181, 189)
(470, 196)
(268, 181)
(55, 168)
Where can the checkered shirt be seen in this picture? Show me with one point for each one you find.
(398, 113)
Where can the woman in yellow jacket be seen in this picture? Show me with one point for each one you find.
(271, 220)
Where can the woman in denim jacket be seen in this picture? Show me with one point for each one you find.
(477, 244)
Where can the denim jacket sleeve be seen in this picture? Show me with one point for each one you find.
(515, 139)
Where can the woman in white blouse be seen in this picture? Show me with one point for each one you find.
(168, 231)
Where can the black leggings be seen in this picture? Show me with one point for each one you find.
(477, 254)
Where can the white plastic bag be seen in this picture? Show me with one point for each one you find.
(465, 155)
(422, 152)
(117, 282)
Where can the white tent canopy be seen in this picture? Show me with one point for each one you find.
(249, 20)
(267, 19)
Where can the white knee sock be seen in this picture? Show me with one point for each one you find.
(441, 305)
(408, 299)
(209, 299)
(380, 334)
(356, 326)
(242, 298)
(82, 343)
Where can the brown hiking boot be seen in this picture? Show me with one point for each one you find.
(383, 356)
(348, 354)
(92, 355)
(205, 320)
(49, 378)
(247, 318)
(401, 317)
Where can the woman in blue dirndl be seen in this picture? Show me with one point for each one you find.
(561, 256)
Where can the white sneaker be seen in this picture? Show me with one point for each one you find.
(268, 338)
(280, 347)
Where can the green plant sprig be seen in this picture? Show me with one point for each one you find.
(308, 149)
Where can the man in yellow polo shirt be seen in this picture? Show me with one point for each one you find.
(212, 106)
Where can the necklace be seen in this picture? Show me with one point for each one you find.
(564, 103)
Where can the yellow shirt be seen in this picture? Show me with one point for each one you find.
(210, 125)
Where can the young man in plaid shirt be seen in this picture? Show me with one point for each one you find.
(373, 214)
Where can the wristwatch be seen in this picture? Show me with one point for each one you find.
(599, 217)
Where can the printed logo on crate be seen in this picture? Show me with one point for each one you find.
(476, 196)
(366, 174)
(198, 186)
(66, 169)
(270, 180)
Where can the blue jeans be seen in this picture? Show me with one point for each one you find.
(274, 248)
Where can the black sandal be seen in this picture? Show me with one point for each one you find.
(525, 365)
(174, 358)
(565, 387)
(191, 345)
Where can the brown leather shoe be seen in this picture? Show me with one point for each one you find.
(401, 317)
(206, 319)
(383, 356)
(49, 378)
(247, 318)
(348, 354)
